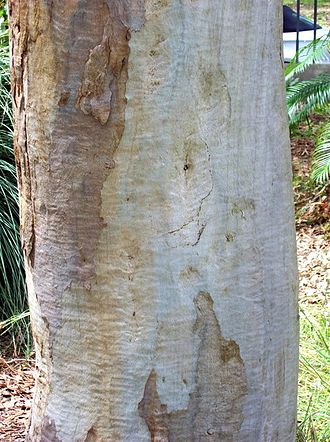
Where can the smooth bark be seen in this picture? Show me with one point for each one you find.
(157, 219)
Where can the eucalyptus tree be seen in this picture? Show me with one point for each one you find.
(157, 219)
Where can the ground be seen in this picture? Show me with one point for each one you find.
(16, 386)
(312, 205)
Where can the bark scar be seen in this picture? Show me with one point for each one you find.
(215, 408)
(220, 378)
(153, 411)
(94, 96)
(192, 230)
(105, 69)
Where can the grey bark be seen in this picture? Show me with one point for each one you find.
(157, 219)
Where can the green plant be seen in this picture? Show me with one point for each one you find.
(12, 278)
(315, 52)
(308, 96)
(321, 156)
(314, 382)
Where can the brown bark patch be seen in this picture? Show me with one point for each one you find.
(19, 38)
(94, 96)
(106, 67)
(70, 68)
(92, 436)
(215, 409)
(220, 378)
(153, 411)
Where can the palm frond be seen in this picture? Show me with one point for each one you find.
(305, 97)
(321, 156)
(315, 52)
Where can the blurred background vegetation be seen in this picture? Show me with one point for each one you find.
(13, 303)
(307, 9)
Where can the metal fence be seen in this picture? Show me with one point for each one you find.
(298, 19)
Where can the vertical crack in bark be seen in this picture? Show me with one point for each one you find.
(215, 408)
(19, 38)
(201, 225)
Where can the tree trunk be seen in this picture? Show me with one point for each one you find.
(157, 219)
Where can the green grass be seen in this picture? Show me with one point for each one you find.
(314, 376)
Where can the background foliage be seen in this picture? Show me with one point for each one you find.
(306, 97)
(13, 303)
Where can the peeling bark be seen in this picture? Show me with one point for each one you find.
(153, 411)
(70, 154)
(215, 408)
(154, 174)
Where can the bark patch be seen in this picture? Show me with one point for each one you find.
(95, 94)
(214, 411)
(92, 436)
(220, 378)
(153, 411)
(106, 67)
(71, 75)
(49, 433)
(19, 38)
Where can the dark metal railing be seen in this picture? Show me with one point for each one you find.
(298, 24)
(315, 18)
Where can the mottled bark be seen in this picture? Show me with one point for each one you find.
(157, 222)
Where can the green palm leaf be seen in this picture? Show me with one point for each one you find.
(316, 52)
(308, 96)
(321, 156)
